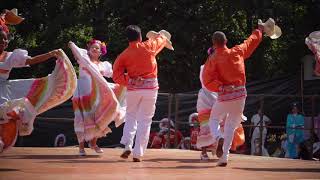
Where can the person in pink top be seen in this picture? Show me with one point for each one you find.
(136, 68)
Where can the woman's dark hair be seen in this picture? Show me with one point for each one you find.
(295, 105)
(133, 33)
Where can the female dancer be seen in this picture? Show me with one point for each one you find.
(21, 100)
(95, 101)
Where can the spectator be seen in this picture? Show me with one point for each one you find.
(316, 151)
(60, 140)
(317, 125)
(284, 145)
(194, 130)
(295, 120)
(159, 139)
(308, 148)
(257, 120)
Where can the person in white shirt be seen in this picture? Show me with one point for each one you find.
(257, 120)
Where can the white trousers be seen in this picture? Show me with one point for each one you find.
(233, 111)
(141, 105)
(255, 136)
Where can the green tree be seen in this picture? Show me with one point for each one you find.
(51, 24)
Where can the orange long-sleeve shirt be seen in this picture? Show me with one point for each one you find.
(138, 60)
(226, 66)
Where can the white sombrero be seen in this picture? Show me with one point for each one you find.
(12, 17)
(270, 28)
(58, 137)
(315, 36)
(193, 115)
(244, 118)
(165, 120)
(164, 33)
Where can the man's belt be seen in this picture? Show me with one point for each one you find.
(142, 83)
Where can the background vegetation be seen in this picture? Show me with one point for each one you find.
(51, 24)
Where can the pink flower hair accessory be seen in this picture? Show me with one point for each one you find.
(103, 46)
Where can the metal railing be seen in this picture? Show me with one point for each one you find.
(174, 111)
(261, 98)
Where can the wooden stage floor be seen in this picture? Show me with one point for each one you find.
(64, 163)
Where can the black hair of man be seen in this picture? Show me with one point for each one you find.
(219, 38)
(133, 33)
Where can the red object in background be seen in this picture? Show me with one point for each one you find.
(194, 131)
(158, 140)
(238, 138)
(9, 136)
(3, 25)
(155, 141)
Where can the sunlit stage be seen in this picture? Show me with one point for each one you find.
(64, 163)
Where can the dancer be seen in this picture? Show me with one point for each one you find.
(22, 99)
(95, 103)
(136, 68)
(313, 43)
(205, 141)
(224, 73)
(205, 101)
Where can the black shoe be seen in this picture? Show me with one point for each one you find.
(136, 160)
(222, 164)
(219, 151)
(125, 154)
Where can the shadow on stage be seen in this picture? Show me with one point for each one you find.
(49, 157)
(314, 170)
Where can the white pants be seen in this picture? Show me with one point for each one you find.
(232, 110)
(256, 135)
(140, 110)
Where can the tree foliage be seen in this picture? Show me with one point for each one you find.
(51, 24)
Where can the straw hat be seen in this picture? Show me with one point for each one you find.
(270, 28)
(193, 118)
(58, 137)
(165, 120)
(12, 17)
(315, 36)
(166, 34)
(244, 118)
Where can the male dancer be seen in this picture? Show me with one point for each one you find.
(205, 141)
(136, 68)
(224, 73)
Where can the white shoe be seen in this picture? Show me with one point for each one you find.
(223, 161)
(82, 152)
(1, 146)
(97, 149)
(213, 152)
(204, 157)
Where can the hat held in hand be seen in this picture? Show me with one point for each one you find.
(12, 17)
(164, 33)
(270, 28)
(315, 36)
